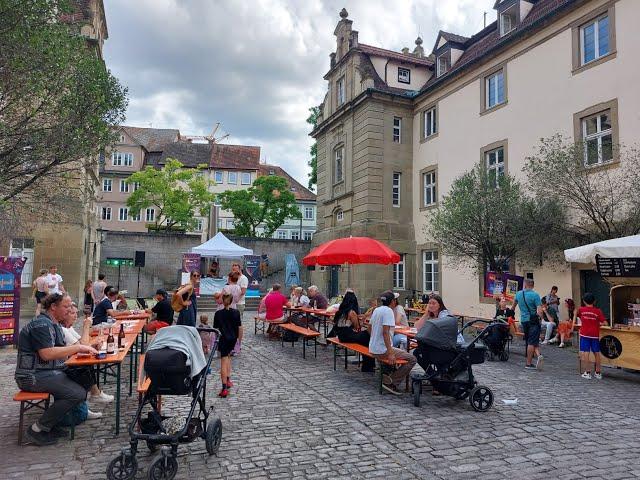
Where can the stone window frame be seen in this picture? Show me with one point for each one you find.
(215, 177)
(402, 279)
(429, 247)
(446, 55)
(576, 53)
(484, 78)
(423, 114)
(308, 233)
(612, 106)
(341, 91)
(242, 178)
(430, 169)
(106, 212)
(504, 144)
(395, 187)
(399, 128)
(235, 174)
(408, 71)
(104, 184)
(152, 217)
(334, 151)
(126, 214)
(514, 6)
(124, 186)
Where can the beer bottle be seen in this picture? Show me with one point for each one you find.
(121, 337)
(111, 343)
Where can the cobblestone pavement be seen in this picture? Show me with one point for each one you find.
(294, 418)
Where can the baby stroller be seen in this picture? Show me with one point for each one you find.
(497, 339)
(447, 365)
(170, 374)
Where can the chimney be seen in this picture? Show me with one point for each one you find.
(405, 50)
(418, 51)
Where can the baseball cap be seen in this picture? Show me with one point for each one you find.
(386, 297)
(161, 291)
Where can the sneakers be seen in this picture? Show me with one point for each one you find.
(553, 340)
(561, 345)
(539, 362)
(229, 383)
(223, 393)
(546, 342)
(529, 367)
(59, 432)
(587, 375)
(40, 438)
(93, 415)
(101, 397)
(597, 376)
(391, 388)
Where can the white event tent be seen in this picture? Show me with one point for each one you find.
(221, 246)
(624, 247)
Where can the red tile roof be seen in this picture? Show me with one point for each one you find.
(381, 52)
(235, 157)
(300, 192)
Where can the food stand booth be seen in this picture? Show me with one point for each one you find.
(618, 262)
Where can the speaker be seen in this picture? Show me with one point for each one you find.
(139, 259)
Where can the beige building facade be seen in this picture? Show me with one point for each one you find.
(544, 67)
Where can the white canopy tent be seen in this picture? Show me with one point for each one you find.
(221, 246)
(627, 247)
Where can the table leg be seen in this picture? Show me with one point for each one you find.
(335, 356)
(131, 355)
(304, 347)
(118, 371)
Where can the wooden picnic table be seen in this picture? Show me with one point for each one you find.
(323, 314)
(133, 328)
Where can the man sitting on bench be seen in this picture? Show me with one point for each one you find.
(380, 345)
(40, 368)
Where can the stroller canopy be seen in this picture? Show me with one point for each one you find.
(440, 333)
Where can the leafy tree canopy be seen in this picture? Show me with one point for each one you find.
(266, 204)
(177, 194)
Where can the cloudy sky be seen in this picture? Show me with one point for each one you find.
(255, 67)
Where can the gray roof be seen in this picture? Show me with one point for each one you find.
(153, 139)
(187, 153)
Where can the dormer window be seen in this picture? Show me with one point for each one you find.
(340, 91)
(508, 20)
(443, 64)
(404, 75)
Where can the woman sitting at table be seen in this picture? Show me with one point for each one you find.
(399, 340)
(301, 298)
(121, 302)
(348, 328)
(435, 309)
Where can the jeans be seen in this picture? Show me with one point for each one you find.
(403, 370)
(66, 393)
(549, 326)
(399, 341)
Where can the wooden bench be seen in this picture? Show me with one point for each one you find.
(264, 324)
(305, 333)
(360, 350)
(30, 400)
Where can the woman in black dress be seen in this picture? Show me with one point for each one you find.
(349, 330)
(188, 314)
(228, 322)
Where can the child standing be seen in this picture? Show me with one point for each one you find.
(591, 318)
(207, 338)
(228, 322)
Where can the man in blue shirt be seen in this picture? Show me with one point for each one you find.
(530, 305)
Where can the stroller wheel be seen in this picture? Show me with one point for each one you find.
(163, 467)
(504, 356)
(123, 467)
(481, 398)
(213, 436)
(416, 388)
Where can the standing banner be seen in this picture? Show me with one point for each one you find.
(252, 269)
(498, 284)
(10, 283)
(190, 262)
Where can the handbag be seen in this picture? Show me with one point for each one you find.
(534, 319)
(177, 303)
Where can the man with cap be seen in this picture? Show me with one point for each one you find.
(381, 324)
(163, 311)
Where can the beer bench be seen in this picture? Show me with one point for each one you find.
(360, 350)
(305, 333)
(263, 324)
(29, 401)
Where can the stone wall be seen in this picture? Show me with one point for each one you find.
(163, 258)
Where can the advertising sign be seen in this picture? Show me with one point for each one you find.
(10, 280)
(498, 284)
(252, 268)
(190, 262)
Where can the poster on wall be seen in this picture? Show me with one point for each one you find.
(10, 281)
(498, 284)
(190, 262)
(252, 269)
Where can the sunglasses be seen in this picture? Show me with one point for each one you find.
(197, 275)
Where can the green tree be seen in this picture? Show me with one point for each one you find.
(266, 204)
(178, 195)
(58, 103)
(314, 113)
(484, 223)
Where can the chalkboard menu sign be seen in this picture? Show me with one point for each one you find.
(618, 267)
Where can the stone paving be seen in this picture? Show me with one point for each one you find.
(294, 418)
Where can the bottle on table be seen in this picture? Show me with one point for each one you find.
(121, 337)
(111, 343)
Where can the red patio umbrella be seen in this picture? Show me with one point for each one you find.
(351, 250)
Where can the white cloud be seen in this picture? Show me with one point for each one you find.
(256, 67)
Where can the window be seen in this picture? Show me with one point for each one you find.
(123, 214)
(295, 235)
(281, 234)
(339, 215)
(150, 215)
(398, 274)
(395, 189)
(307, 236)
(495, 165)
(106, 184)
(219, 224)
(198, 225)
(594, 40)
(340, 91)
(135, 217)
(121, 138)
(245, 178)
(508, 20)
(494, 89)
(135, 186)
(430, 123)
(233, 178)
(431, 271)
(308, 213)
(404, 75)
(397, 129)
(218, 176)
(119, 159)
(124, 186)
(230, 224)
(23, 247)
(443, 64)
(597, 135)
(339, 154)
(106, 213)
(429, 188)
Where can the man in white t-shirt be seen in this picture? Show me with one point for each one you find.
(54, 281)
(243, 283)
(381, 325)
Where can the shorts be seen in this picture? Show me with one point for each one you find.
(39, 296)
(531, 333)
(226, 346)
(155, 325)
(588, 344)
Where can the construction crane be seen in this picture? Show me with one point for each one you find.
(211, 138)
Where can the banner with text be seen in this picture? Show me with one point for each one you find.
(10, 281)
(498, 284)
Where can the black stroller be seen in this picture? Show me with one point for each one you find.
(497, 339)
(447, 365)
(170, 375)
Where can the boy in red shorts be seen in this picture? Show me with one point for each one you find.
(591, 318)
